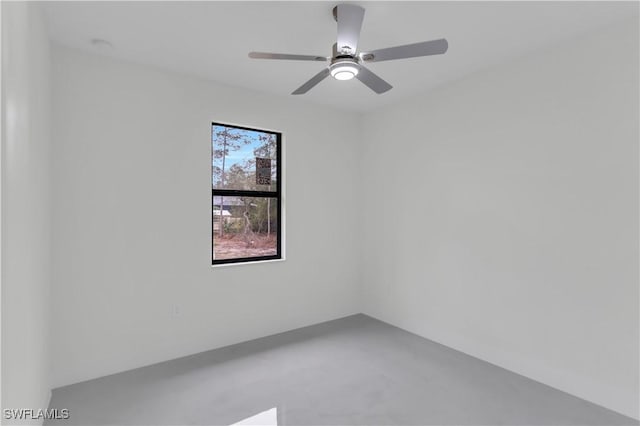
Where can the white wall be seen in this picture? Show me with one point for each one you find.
(132, 224)
(25, 207)
(510, 225)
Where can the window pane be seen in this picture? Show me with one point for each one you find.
(243, 159)
(244, 227)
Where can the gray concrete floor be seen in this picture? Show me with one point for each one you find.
(352, 371)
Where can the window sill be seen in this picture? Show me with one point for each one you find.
(255, 262)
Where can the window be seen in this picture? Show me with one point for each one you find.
(246, 194)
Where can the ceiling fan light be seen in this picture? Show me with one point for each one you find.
(344, 71)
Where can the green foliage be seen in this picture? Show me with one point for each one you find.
(262, 214)
(224, 140)
(242, 175)
(263, 211)
(233, 226)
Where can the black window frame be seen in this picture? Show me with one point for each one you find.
(277, 194)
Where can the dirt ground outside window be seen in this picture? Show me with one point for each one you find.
(234, 246)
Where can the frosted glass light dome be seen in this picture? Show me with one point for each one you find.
(344, 70)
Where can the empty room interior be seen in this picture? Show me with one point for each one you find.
(320, 213)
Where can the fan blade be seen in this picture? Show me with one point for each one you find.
(372, 81)
(425, 48)
(349, 19)
(265, 55)
(311, 83)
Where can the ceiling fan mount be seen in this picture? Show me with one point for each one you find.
(345, 62)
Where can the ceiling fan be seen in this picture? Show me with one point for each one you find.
(346, 62)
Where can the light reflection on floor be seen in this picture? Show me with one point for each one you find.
(266, 418)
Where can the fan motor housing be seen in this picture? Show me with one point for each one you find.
(344, 60)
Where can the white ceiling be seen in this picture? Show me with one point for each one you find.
(212, 39)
